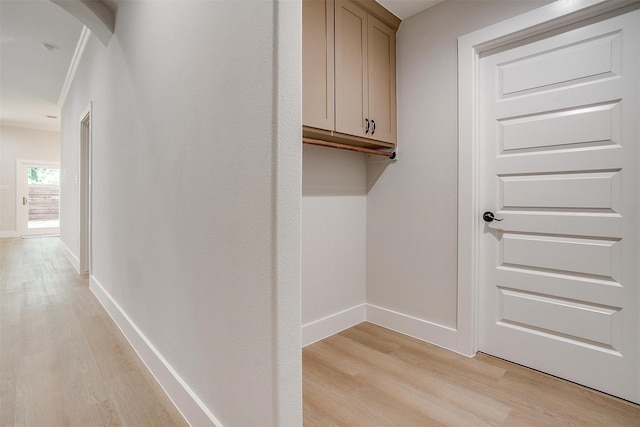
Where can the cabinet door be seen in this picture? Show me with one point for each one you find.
(381, 49)
(318, 64)
(351, 69)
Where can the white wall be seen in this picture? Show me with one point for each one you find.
(334, 218)
(24, 144)
(196, 198)
(412, 205)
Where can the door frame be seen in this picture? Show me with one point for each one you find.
(85, 188)
(22, 227)
(523, 28)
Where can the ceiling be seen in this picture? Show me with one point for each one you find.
(32, 78)
(406, 8)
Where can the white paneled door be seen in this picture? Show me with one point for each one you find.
(560, 160)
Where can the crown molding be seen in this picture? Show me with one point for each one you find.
(73, 66)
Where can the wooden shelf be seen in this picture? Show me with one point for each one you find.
(390, 154)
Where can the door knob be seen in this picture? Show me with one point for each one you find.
(24, 201)
(489, 216)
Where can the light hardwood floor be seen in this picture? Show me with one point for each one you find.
(64, 362)
(371, 376)
(62, 359)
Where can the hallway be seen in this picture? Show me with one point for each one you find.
(62, 360)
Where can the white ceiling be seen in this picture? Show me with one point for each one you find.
(31, 78)
(406, 8)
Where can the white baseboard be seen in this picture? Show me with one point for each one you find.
(439, 335)
(73, 259)
(9, 234)
(436, 334)
(330, 325)
(185, 400)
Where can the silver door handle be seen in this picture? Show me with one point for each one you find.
(24, 201)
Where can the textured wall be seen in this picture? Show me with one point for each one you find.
(334, 221)
(412, 205)
(196, 193)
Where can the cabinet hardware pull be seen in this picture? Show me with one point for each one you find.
(366, 131)
(374, 127)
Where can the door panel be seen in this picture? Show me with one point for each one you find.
(587, 257)
(382, 79)
(318, 64)
(574, 128)
(563, 285)
(591, 190)
(564, 319)
(559, 165)
(351, 69)
(592, 58)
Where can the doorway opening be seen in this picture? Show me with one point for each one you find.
(37, 197)
(43, 197)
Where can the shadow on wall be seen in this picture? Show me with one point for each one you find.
(376, 165)
(332, 172)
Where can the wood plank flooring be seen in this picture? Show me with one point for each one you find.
(63, 362)
(371, 376)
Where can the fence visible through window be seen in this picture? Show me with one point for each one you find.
(44, 197)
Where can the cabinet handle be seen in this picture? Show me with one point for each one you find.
(366, 131)
(374, 127)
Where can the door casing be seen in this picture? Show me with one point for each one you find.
(85, 189)
(534, 24)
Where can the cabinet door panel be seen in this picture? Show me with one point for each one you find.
(351, 69)
(318, 64)
(382, 79)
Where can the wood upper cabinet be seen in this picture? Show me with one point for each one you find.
(381, 58)
(365, 74)
(361, 48)
(318, 64)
